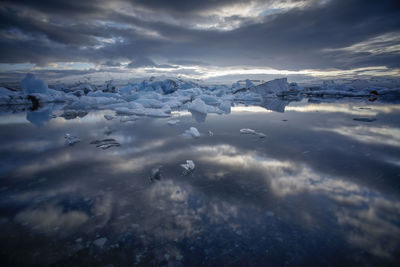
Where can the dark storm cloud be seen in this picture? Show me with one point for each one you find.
(141, 62)
(111, 63)
(299, 38)
(65, 7)
(190, 6)
(184, 62)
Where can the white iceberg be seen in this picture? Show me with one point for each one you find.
(198, 105)
(271, 87)
(225, 107)
(188, 166)
(191, 133)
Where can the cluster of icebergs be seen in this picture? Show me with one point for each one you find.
(158, 98)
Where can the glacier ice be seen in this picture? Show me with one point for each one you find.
(198, 105)
(155, 173)
(271, 87)
(31, 85)
(161, 97)
(192, 133)
(188, 166)
(253, 132)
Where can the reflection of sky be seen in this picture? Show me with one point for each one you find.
(307, 191)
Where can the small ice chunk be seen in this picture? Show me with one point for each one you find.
(71, 140)
(251, 131)
(151, 112)
(192, 132)
(365, 119)
(210, 133)
(100, 242)
(247, 131)
(173, 122)
(261, 135)
(188, 166)
(155, 174)
(108, 117)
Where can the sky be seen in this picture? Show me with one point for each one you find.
(208, 40)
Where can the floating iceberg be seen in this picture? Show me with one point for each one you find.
(225, 107)
(160, 98)
(198, 105)
(272, 87)
(31, 85)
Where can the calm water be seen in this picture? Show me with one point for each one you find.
(321, 188)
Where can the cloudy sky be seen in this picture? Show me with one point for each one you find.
(205, 39)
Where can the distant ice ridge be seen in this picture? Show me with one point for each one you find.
(159, 98)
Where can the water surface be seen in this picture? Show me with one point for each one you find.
(320, 188)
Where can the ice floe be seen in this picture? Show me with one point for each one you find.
(192, 132)
(253, 132)
(188, 166)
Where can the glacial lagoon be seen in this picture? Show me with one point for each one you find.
(320, 188)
